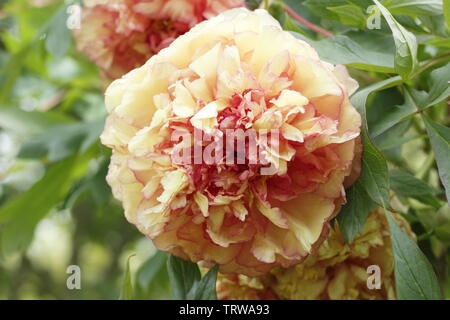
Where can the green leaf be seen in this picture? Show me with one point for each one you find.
(374, 173)
(405, 42)
(350, 15)
(360, 97)
(60, 141)
(406, 185)
(439, 86)
(446, 6)
(354, 213)
(440, 142)
(253, 4)
(205, 289)
(183, 275)
(414, 275)
(29, 122)
(58, 35)
(151, 268)
(21, 214)
(414, 7)
(343, 50)
(127, 286)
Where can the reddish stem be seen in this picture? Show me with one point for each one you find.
(307, 23)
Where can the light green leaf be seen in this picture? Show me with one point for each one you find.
(374, 173)
(406, 185)
(205, 289)
(354, 213)
(29, 122)
(414, 275)
(58, 35)
(60, 141)
(350, 15)
(127, 286)
(446, 6)
(414, 7)
(440, 142)
(183, 275)
(21, 214)
(439, 86)
(405, 42)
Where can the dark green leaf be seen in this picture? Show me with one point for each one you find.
(374, 174)
(354, 213)
(440, 142)
(405, 42)
(205, 289)
(253, 4)
(127, 286)
(406, 185)
(414, 275)
(183, 275)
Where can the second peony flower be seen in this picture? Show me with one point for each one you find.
(232, 145)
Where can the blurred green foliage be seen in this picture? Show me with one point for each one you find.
(56, 209)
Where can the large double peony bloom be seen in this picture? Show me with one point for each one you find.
(120, 35)
(336, 271)
(236, 71)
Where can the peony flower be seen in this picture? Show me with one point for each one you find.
(120, 35)
(337, 271)
(233, 79)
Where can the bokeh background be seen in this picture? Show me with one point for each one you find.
(51, 114)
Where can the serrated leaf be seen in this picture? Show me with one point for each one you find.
(414, 7)
(440, 142)
(183, 275)
(374, 173)
(354, 213)
(405, 43)
(414, 275)
(126, 292)
(205, 289)
(406, 185)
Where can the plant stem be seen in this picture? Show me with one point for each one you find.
(430, 63)
(305, 22)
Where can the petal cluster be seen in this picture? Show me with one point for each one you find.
(237, 72)
(120, 35)
(336, 272)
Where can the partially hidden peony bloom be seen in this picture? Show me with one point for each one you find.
(120, 35)
(238, 71)
(337, 271)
